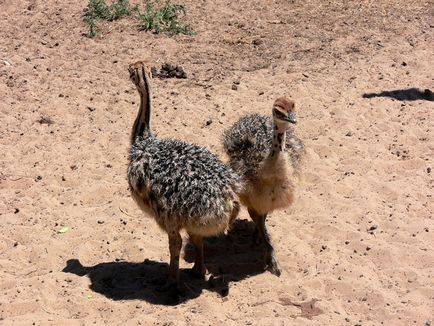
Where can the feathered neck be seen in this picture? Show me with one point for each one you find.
(141, 127)
(278, 144)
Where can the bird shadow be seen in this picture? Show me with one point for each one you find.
(409, 94)
(229, 259)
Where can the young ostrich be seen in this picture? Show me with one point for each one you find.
(181, 185)
(266, 154)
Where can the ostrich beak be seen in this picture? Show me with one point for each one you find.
(292, 118)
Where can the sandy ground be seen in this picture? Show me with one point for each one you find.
(356, 248)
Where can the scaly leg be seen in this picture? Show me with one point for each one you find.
(198, 269)
(175, 244)
(270, 258)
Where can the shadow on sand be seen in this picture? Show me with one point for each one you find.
(230, 258)
(409, 94)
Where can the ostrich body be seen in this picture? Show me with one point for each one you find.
(266, 154)
(181, 185)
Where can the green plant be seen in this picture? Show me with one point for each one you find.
(159, 17)
(98, 9)
(163, 18)
(121, 8)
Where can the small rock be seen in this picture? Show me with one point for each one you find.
(100, 222)
(428, 169)
(208, 122)
(404, 64)
(257, 41)
(16, 211)
(234, 87)
(180, 73)
(372, 228)
(154, 72)
(45, 120)
(349, 134)
(168, 67)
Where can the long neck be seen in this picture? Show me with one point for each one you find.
(141, 125)
(279, 137)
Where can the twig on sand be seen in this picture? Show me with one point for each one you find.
(261, 303)
(123, 211)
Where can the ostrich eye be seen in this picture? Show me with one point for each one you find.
(278, 114)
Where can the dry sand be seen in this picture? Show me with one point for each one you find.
(356, 248)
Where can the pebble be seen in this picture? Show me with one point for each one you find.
(257, 41)
(372, 228)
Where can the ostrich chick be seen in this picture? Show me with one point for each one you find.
(181, 185)
(266, 154)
